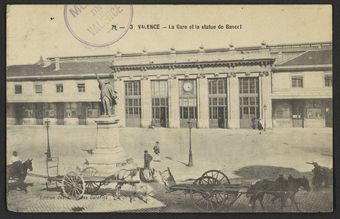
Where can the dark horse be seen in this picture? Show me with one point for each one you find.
(281, 189)
(18, 172)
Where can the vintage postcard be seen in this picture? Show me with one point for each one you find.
(169, 108)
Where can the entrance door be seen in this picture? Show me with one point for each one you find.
(39, 115)
(329, 114)
(163, 117)
(221, 120)
(82, 116)
(19, 113)
(60, 113)
(298, 114)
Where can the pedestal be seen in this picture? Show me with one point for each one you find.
(108, 157)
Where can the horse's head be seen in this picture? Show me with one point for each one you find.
(28, 164)
(304, 183)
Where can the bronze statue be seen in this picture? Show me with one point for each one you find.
(107, 95)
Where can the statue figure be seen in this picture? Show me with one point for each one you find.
(107, 95)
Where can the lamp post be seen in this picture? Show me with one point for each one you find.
(190, 163)
(48, 152)
(264, 117)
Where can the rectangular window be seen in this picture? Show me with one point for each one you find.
(18, 88)
(297, 81)
(132, 100)
(81, 87)
(249, 101)
(159, 97)
(218, 109)
(93, 110)
(60, 88)
(328, 81)
(38, 88)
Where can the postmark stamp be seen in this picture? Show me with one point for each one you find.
(98, 25)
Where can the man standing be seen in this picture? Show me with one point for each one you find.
(107, 95)
(147, 159)
(157, 151)
(320, 175)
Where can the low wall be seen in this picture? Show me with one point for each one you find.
(282, 123)
(315, 123)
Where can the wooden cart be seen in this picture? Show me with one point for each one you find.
(209, 192)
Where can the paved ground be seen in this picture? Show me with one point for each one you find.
(225, 150)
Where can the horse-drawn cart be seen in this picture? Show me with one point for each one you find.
(209, 192)
(75, 184)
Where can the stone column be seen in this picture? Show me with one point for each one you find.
(203, 103)
(266, 100)
(120, 107)
(173, 103)
(146, 103)
(234, 103)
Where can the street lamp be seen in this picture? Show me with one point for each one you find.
(190, 163)
(264, 117)
(48, 152)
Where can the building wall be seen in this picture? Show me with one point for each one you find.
(313, 99)
(275, 88)
(49, 93)
(313, 85)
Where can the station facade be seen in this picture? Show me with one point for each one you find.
(281, 85)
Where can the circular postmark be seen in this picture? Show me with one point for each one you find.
(98, 25)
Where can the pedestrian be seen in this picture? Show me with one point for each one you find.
(147, 159)
(156, 151)
(321, 175)
(15, 158)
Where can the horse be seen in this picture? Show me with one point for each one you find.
(123, 175)
(258, 190)
(284, 189)
(18, 172)
(294, 185)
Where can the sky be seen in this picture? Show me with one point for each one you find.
(40, 30)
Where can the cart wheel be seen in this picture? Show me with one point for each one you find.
(218, 175)
(90, 187)
(230, 197)
(205, 196)
(73, 185)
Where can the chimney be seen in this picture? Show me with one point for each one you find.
(41, 61)
(231, 46)
(172, 50)
(57, 64)
(46, 62)
(201, 48)
(118, 54)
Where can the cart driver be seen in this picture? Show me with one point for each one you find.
(147, 159)
(15, 162)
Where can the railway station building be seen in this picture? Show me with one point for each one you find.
(281, 85)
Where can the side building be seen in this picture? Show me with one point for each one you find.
(212, 88)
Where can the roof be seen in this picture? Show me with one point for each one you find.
(67, 68)
(317, 57)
